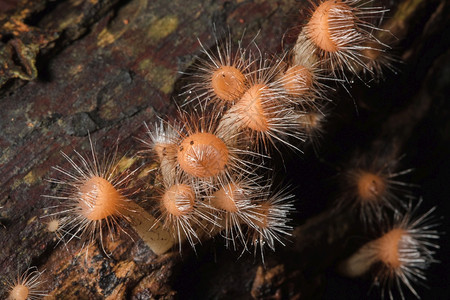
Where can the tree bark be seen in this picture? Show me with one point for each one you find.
(77, 67)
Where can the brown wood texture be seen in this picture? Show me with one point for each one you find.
(106, 67)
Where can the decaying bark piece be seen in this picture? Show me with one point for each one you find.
(104, 67)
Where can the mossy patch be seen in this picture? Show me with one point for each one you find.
(161, 28)
(158, 76)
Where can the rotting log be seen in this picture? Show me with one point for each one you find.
(106, 67)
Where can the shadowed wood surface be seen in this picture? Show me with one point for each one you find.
(106, 67)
